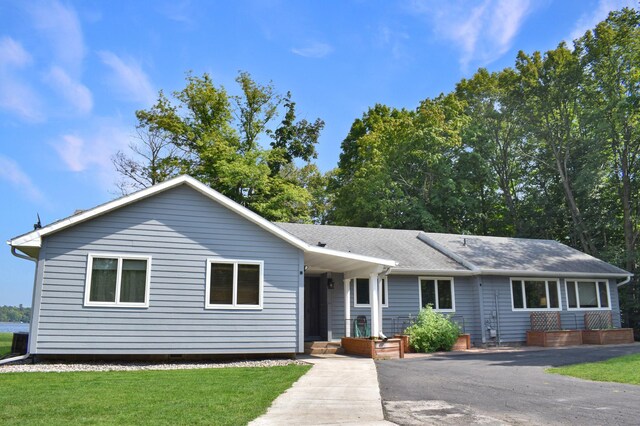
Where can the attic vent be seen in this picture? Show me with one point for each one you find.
(321, 244)
(464, 242)
(78, 211)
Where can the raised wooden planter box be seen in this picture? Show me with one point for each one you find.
(405, 342)
(463, 343)
(376, 349)
(613, 336)
(554, 338)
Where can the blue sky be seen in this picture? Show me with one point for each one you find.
(72, 74)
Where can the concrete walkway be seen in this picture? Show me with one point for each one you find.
(338, 390)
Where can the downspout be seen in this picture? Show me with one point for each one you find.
(27, 355)
(14, 359)
(626, 281)
(481, 297)
(26, 257)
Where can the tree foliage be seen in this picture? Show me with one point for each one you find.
(547, 149)
(221, 140)
(15, 314)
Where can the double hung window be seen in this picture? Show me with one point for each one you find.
(117, 280)
(587, 294)
(535, 294)
(437, 292)
(234, 284)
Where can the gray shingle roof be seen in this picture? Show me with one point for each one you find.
(400, 245)
(486, 253)
(522, 254)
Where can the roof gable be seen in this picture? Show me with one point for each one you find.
(33, 239)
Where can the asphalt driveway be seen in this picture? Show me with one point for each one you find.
(505, 388)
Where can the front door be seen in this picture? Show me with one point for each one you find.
(312, 306)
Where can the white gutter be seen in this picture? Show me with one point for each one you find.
(508, 272)
(551, 273)
(445, 272)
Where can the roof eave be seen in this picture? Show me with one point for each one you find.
(508, 272)
(34, 238)
(554, 274)
(447, 272)
(351, 256)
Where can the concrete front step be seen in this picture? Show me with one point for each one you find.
(322, 348)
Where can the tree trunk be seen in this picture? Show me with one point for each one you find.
(585, 240)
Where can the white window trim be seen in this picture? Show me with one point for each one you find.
(453, 293)
(120, 257)
(385, 288)
(234, 305)
(592, 280)
(546, 286)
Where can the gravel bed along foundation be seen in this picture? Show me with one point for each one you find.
(62, 367)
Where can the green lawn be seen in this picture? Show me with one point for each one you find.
(5, 343)
(224, 396)
(624, 369)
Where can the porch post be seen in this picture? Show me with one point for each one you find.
(380, 319)
(347, 307)
(375, 302)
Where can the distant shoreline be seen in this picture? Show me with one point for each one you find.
(14, 327)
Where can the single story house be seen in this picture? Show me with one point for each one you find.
(178, 268)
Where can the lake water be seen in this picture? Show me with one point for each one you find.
(14, 327)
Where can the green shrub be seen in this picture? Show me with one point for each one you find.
(432, 331)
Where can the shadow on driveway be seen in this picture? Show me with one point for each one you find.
(506, 387)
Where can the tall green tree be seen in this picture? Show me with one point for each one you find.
(495, 132)
(610, 59)
(233, 143)
(396, 170)
(550, 89)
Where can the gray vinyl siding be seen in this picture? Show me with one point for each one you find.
(404, 302)
(180, 229)
(513, 325)
(335, 309)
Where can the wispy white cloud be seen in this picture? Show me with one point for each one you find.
(60, 29)
(16, 95)
(393, 40)
(483, 33)
(12, 173)
(129, 78)
(71, 150)
(60, 26)
(313, 50)
(13, 54)
(589, 20)
(178, 11)
(90, 151)
(76, 93)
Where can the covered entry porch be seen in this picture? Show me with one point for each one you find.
(326, 294)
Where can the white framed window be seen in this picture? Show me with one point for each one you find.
(361, 293)
(587, 294)
(234, 284)
(530, 294)
(437, 292)
(119, 280)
